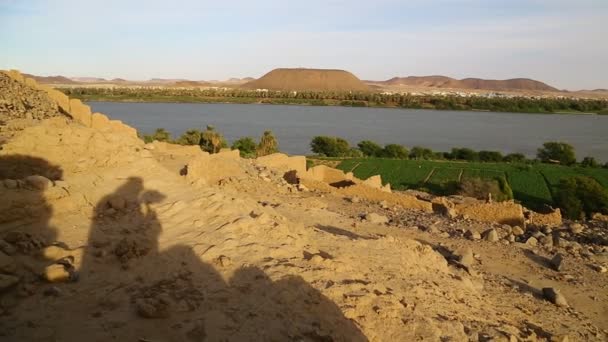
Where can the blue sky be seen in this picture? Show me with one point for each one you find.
(564, 43)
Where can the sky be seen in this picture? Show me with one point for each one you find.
(563, 43)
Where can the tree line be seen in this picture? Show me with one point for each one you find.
(518, 104)
(550, 152)
(212, 141)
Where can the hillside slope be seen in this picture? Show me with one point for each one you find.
(521, 84)
(308, 79)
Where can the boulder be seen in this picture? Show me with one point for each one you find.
(376, 218)
(491, 235)
(554, 296)
(56, 273)
(472, 234)
(557, 261)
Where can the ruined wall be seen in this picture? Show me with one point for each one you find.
(75, 108)
(551, 219)
(502, 212)
(283, 162)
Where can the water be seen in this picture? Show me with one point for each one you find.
(295, 126)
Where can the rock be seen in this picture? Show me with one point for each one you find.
(7, 281)
(384, 205)
(56, 273)
(38, 182)
(511, 238)
(302, 187)
(531, 241)
(10, 184)
(52, 291)
(472, 235)
(117, 203)
(7, 263)
(600, 268)
(557, 239)
(316, 259)
(491, 235)
(443, 206)
(546, 241)
(53, 253)
(152, 308)
(7, 248)
(465, 257)
(517, 231)
(376, 218)
(576, 228)
(557, 262)
(354, 199)
(554, 296)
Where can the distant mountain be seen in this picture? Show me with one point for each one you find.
(468, 83)
(191, 84)
(51, 79)
(308, 79)
(88, 79)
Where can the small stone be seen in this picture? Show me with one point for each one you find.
(117, 203)
(554, 296)
(7, 281)
(152, 308)
(546, 241)
(491, 235)
(38, 182)
(302, 187)
(465, 257)
(511, 238)
(355, 199)
(52, 291)
(600, 268)
(517, 231)
(532, 241)
(7, 248)
(472, 235)
(56, 273)
(384, 205)
(576, 228)
(376, 218)
(557, 262)
(53, 253)
(316, 259)
(10, 184)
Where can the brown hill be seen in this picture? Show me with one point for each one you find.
(51, 79)
(469, 83)
(308, 79)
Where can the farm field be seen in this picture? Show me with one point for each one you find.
(532, 184)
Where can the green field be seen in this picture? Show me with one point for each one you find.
(532, 184)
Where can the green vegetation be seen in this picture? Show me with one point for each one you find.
(330, 146)
(246, 146)
(581, 197)
(210, 140)
(268, 144)
(533, 184)
(559, 152)
(338, 98)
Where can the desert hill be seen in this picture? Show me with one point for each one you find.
(51, 79)
(308, 79)
(516, 84)
(104, 237)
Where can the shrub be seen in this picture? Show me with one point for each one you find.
(246, 147)
(581, 196)
(395, 151)
(268, 144)
(330, 146)
(370, 148)
(514, 158)
(160, 134)
(190, 137)
(212, 141)
(557, 152)
(589, 162)
(419, 152)
(480, 188)
(490, 156)
(355, 153)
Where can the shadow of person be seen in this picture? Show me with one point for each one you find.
(178, 297)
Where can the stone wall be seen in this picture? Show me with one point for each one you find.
(502, 212)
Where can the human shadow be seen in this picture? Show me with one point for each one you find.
(173, 295)
(342, 232)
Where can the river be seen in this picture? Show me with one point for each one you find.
(295, 126)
